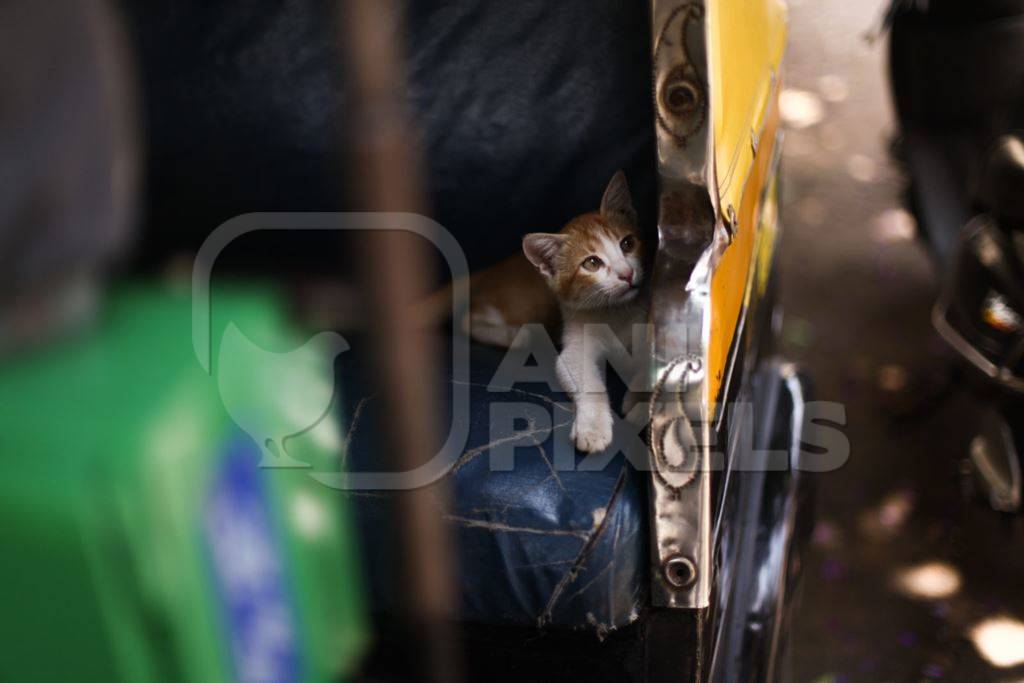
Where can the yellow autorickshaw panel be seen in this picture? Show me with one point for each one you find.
(746, 42)
(731, 279)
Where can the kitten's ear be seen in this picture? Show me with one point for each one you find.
(542, 249)
(616, 200)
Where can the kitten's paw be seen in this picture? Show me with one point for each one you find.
(592, 430)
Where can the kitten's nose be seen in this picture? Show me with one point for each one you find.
(627, 276)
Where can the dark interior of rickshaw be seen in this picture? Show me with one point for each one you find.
(525, 110)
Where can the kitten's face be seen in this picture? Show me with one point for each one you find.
(598, 264)
(595, 261)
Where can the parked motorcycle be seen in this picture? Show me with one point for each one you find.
(957, 72)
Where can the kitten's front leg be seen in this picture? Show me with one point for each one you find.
(581, 377)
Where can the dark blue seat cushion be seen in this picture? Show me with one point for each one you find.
(557, 539)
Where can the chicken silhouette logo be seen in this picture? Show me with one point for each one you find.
(285, 398)
(277, 396)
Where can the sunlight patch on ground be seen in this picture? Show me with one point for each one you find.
(1000, 640)
(928, 581)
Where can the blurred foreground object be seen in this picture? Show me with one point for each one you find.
(144, 540)
(68, 158)
(396, 274)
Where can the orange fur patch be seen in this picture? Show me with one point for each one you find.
(585, 233)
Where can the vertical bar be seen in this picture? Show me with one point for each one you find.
(388, 169)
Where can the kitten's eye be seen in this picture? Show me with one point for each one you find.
(592, 263)
(628, 244)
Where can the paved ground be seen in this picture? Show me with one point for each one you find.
(857, 290)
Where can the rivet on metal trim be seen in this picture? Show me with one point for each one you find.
(680, 571)
(681, 96)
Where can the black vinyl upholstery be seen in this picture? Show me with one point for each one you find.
(67, 154)
(526, 109)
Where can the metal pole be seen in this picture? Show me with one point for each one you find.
(387, 167)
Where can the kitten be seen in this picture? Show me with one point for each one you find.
(583, 281)
(594, 268)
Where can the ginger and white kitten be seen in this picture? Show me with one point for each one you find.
(594, 267)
